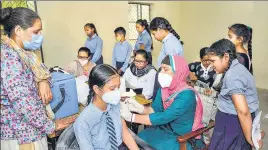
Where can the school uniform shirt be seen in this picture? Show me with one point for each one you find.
(237, 80)
(146, 39)
(244, 59)
(171, 46)
(94, 44)
(121, 53)
(206, 75)
(91, 128)
(146, 82)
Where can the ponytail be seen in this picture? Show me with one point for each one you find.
(145, 24)
(162, 23)
(92, 26)
(171, 30)
(250, 48)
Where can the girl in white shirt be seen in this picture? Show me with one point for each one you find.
(140, 74)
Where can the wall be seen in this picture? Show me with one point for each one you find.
(63, 24)
(202, 23)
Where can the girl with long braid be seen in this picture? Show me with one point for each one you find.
(172, 45)
(163, 31)
(240, 35)
(237, 100)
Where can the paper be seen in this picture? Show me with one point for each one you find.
(256, 130)
(82, 89)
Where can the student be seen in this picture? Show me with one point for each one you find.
(203, 75)
(171, 44)
(163, 31)
(144, 40)
(177, 109)
(81, 66)
(94, 43)
(237, 100)
(240, 35)
(140, 74)
(24, 122)
(100, 126)
(122, 51)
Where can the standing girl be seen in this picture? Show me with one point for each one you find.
(240, 35)
(144, 40)
(237, 100)
(163, 31)
(94, 43)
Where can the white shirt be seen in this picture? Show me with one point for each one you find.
(146, 82)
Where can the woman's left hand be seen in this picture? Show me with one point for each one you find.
(44, 91)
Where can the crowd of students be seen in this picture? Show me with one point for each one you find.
(177, 108)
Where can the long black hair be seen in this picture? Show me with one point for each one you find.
(92, 26)
(99, 76)
(23, 17)
(220, 48)
(145, 24)
(162, 23)
(241, 30)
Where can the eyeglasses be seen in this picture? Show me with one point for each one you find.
(81, 57)
(139, 61)
(206, 61)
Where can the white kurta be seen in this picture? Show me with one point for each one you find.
(146, 82)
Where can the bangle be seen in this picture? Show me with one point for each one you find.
(133, 118)
(56, 126)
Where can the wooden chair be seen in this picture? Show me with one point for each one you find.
(185, 138)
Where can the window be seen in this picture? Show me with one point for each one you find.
(136, 11)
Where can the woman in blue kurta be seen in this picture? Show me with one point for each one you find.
(176, 110)
(94, 43)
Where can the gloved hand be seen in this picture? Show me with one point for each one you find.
(134, 106)
(125, 112)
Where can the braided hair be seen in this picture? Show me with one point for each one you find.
(220, 48)
(162, 23)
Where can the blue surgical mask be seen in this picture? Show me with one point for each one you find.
(35, 43)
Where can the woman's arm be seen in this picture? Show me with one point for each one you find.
(127, 138)
(244, 115)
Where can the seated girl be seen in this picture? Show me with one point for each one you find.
(176, 110)
(81, 66)
(100, 126)
(140, 74)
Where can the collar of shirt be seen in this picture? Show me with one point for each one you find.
(98, 111)
(93, 36)
(143, 32)
(167, 37)
(234, 63)
(122, 42)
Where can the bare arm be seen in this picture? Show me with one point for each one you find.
(244, 115)
(127, 137)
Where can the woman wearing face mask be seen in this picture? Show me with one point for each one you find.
(81, 66)
(140, 74)
(176, 110)
(240, 35)
(94, 43)
(144, 40)
(237, 102)
(100, 126)
(24, 123)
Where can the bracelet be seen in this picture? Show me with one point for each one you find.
(133, 118)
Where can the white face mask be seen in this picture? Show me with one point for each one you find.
(112, 97)
(83, 62)
(164, 80)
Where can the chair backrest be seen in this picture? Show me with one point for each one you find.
(67, 140)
